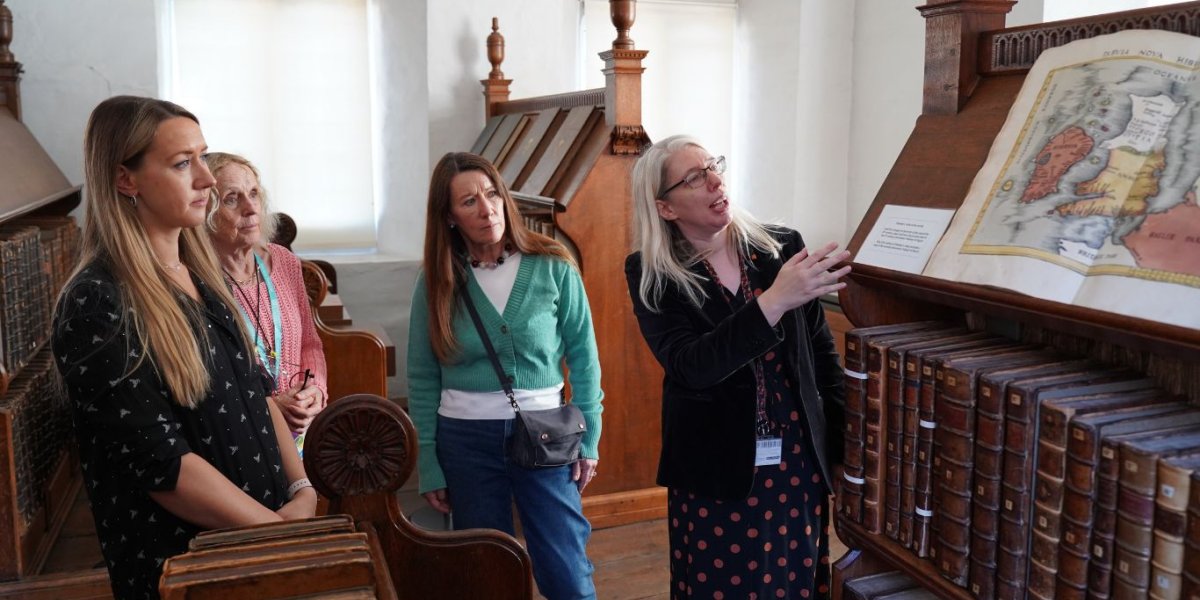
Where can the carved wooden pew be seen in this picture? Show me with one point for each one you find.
(359, 451)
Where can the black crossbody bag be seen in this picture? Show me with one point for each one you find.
(540, 438)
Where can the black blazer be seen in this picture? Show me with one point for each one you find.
(708, 398)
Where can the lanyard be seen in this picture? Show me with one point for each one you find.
(764, 426)
(270, 360)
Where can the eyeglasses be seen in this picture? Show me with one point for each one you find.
(697, 178)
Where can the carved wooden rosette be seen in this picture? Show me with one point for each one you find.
(361, 445)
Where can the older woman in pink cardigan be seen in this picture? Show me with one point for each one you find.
(268, 285)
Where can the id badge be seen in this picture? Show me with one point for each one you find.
(768, 451)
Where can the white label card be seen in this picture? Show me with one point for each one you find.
(767, 451)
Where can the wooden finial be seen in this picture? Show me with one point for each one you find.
(622, 13)
(495, 48)
(6, 33)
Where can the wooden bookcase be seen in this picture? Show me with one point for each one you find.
(974, 68)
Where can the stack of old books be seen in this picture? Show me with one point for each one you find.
(323, 557)
(1019, 471)
(37, 254)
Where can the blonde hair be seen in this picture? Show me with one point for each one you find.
(667, 257)
(119, 132)
(267, 219)
(445, 250)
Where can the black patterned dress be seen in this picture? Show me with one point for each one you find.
(132, 434)
(773, 544)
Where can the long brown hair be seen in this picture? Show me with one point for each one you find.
(445, 250)
(119, 132)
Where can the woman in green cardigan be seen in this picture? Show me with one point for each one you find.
(531, 301)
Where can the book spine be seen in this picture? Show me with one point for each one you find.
(874, 457)
(894, 403)
(850, 496)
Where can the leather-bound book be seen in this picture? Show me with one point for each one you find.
(875, 429)
(1135, 503)
(1051, 466)
(1191, 545)
(989, 453)
(911, 594)
(955, 436)
(1083, 459)
(926, 456)
(1105, 499)
(1170, 524)
(912, 424)
(1020, 448)
(902, 423)
(849, 498)
(324, 564)
(870, 587)
(284, 530)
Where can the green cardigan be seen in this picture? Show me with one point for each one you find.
(546, 320)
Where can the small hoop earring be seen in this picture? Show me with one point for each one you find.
(132, 201)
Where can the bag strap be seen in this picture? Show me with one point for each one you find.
(487, 345)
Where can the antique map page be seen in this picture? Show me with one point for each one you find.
(1089, 193)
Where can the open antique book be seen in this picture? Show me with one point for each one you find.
(1089, 193)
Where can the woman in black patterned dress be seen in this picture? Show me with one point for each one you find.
(175, 432)
(752, 392)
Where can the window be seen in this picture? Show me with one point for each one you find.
(286, 84)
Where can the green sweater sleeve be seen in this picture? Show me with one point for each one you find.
(582, 357)
(424, 391)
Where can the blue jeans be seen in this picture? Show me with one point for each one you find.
(482, 486)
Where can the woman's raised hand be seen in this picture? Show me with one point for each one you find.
(803, 277)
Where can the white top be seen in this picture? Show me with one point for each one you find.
(497, 284)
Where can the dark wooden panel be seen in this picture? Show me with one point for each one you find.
(561, 146)
(532, 139)
(485, 136)
(503, 139)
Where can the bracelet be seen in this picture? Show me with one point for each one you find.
(298, 485)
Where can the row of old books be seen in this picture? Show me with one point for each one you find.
(37, 254)
(35, 411)
(322, 557)
(999, 462)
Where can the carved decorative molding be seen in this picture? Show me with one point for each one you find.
(495, 50)
(1017, 49)
(628, 140)
(360, 445)
(594, 97)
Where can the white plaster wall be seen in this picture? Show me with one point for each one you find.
(540, 39)
(766, 82)
(823, 116)
(112, 50)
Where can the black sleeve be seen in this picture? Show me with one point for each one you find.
(119, 400)
(694, 358)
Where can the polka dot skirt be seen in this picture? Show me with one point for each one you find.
(774, 544)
